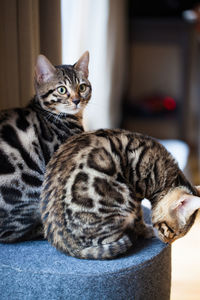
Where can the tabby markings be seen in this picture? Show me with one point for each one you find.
(87, 217)
(45, 131)
(79, 191)
(45, 150)
(10, 195)
(47, 94)
(69, 74)
(3, 213)
(31, 180)
(10, 136)
(21, 121)
(110, 195)
(101, 160)
(5, 166)
(34, 195)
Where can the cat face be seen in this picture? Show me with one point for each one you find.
(174, 214)
(63, 89)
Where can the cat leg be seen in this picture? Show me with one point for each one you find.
(141, 228)
(147, 231)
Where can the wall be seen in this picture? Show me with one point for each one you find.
(154, 69)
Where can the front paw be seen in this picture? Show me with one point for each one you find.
(149, 232)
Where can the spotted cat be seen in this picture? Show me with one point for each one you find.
(92, 192)
(28, 138)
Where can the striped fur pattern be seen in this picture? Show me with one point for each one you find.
(92, 192)
(28, 138)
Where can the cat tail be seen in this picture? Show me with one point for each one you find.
(106, 251)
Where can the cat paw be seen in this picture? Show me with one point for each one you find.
(149, 232)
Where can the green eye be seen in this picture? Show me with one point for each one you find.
(62, 90)
(82, 88)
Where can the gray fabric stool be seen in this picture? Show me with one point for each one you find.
(36, 270)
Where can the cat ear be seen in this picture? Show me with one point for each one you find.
(82, 64)
(44, 70)
(186, 206)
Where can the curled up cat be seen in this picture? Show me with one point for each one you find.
(92, 192)
(28, 138)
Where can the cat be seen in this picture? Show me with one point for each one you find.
(92, 192)
(28, 138)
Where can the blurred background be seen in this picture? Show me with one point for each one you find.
(144, 69)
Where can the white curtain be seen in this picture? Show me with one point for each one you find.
(97, 26)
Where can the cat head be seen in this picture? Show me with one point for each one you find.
(174, 214)
(63, 89)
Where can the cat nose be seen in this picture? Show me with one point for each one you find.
(76, 101)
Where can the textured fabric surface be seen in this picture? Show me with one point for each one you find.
(36, 270)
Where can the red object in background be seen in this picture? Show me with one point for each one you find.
(158, 104)
(169, 103)
(154, 106)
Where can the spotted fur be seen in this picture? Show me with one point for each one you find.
(92, 192)
(28, 138)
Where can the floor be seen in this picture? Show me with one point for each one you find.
(186, 255)
(186, 266)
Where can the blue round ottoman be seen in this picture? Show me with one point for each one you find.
(36, 270)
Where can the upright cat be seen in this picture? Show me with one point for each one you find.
(28, 138)
(94, 184)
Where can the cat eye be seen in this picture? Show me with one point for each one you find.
(62, 90)
(82, 88)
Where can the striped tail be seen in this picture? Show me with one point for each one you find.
(105, 251)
